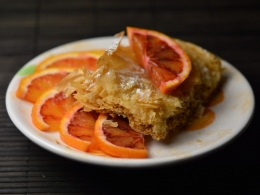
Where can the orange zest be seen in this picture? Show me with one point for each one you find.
(119, 141)
(163, 59)
(32, 86)
(87, 59)
(49, 108)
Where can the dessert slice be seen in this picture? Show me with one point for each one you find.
(120, 86)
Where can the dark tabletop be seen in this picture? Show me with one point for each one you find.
(228, 28)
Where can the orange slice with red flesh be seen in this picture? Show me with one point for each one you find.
(49, 108)
(163, 59)
(87, 59)
(115, 137)
(34, 85)
(77, 128)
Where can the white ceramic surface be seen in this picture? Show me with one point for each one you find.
(232, 117)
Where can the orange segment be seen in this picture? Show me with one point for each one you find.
(32, 86)
(119, 140)
(86, 59)
(77, 128)
(162, 58)
(49, 108)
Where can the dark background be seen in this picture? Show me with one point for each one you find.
(229, 28)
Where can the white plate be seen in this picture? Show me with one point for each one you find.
(232, 116)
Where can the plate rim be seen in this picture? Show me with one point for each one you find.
(116, 162)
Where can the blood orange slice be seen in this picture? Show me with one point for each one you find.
(49, 108)
(77, 128)
(116, 138)
(87, 59)
(163, 59)
(32, 86)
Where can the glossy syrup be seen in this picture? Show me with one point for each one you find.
(208, 116)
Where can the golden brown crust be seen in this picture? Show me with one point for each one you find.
(114, 89)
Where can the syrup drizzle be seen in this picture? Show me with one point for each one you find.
(208, 116)
(216, 99)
